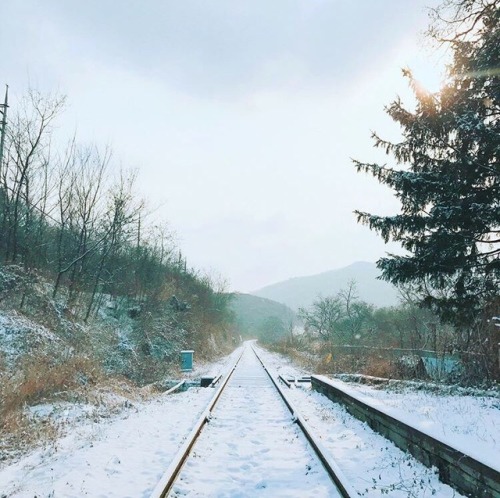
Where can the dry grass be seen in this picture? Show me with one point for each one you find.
(379, 367)
(303, 358)
(322, 358)
(42, 378)
(75, 380)
(19, 433)
(366, 364)
(36, 380)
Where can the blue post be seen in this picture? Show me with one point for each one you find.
(187, 360)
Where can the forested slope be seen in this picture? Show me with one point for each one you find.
(83, 260)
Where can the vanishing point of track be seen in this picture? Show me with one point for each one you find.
(253, 407)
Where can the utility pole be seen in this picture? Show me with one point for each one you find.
(3, 124)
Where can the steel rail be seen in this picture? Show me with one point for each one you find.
(164, 486)
(168, 479)
(332, 469)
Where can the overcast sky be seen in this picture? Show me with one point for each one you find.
(241, 116)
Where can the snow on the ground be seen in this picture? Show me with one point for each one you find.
(251, 447)
(372, 462)
(20, 335)
(470, 424)
(373, 465)
(122, 457)
(125, 456)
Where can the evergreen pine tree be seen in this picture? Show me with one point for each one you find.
(449, 177)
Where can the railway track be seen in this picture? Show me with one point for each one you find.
(256, 442)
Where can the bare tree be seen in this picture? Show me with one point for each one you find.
(25, 178)
(357, 312)
(83, 214)
(120, 226)
(323, 317)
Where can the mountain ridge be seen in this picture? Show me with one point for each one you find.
(297, 292)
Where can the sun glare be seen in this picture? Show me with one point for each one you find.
(429, 77)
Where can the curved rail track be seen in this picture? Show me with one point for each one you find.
(263, 437)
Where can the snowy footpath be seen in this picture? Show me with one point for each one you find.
(254, 442)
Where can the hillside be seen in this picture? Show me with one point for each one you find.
(252, 311)
(301, 291)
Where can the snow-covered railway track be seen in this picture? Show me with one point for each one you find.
(256, 444)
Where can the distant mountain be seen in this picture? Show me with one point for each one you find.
(252, 311)
(302, 291)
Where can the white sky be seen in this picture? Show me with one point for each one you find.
(241, 116)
